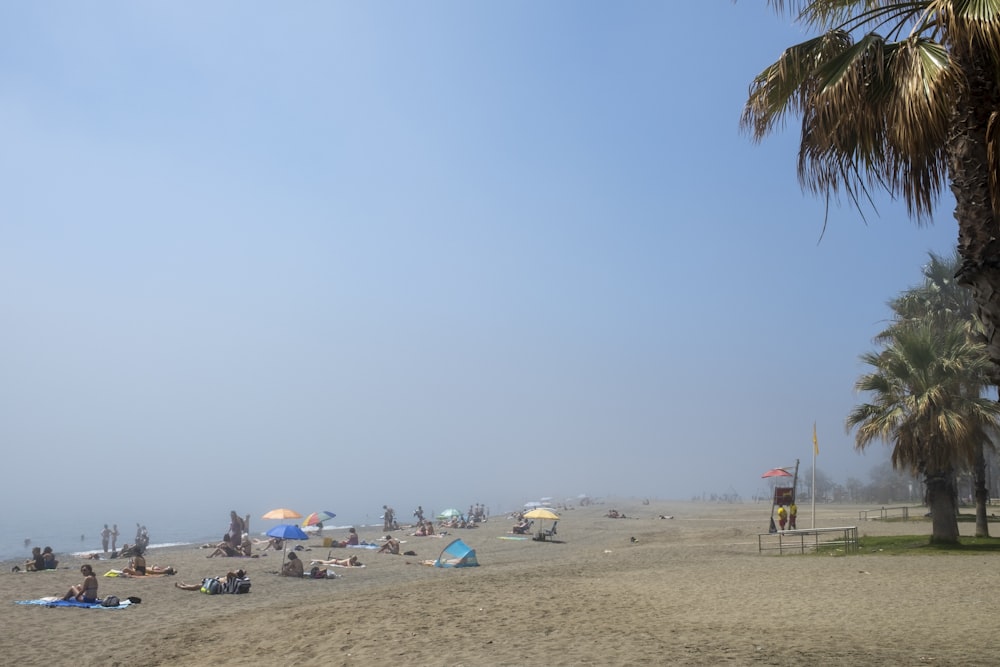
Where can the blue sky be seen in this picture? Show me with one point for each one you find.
(349, 254)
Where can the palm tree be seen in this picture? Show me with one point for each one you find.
(901, 95)
(926, 403)
(940, 302)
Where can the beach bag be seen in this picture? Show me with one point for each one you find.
(236, 585)
(110, 601)
(211, 586)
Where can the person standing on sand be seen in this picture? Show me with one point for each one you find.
(793, 511)
(105, 536)
(235, 530)
(782, 517)
(114, 537)
(387, 517)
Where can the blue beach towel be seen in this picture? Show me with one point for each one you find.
(48, 602)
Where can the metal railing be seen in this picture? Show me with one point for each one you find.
(884, 513)
(808, 539)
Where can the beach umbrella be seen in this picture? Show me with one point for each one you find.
(449, 513)
(281, 514)
(286, 531)
(532, 504)
(318, 517)
(542, 514)
(776, 472)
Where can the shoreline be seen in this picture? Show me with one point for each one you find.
(691, 590)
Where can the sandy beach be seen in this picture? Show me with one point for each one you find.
(691, 590)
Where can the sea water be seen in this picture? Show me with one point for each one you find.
(67, 538)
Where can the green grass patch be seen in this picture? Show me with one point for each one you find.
(896, 545)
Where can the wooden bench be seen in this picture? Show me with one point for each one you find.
(803, 539)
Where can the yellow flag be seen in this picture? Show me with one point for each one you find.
(815, 441)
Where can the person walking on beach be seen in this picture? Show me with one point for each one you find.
(387, 517)
(105, 537)
(793, 511)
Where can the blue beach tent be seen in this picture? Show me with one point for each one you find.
(457, 554)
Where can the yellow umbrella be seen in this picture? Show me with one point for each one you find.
(542, 514)
(282, 514)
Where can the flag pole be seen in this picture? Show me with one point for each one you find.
(815, 452)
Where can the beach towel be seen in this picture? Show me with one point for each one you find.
(56, 602)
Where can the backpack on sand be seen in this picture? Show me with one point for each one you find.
(211, 585)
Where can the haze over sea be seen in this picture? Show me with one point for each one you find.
(63, 533)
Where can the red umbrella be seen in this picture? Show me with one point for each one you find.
(777, 472)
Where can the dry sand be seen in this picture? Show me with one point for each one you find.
(693, 590)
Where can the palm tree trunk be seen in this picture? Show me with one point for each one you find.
(941, 499)
(982, 494)
(969, 171)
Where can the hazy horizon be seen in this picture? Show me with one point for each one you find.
(333, 256)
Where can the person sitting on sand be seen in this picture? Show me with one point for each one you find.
(87, 591)
(50, 559)
(351, 541)
(391, 546)
(223, 548)
(275, 543)
(292, 568)
(130, 550)
(523, 527)
(36, 563)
